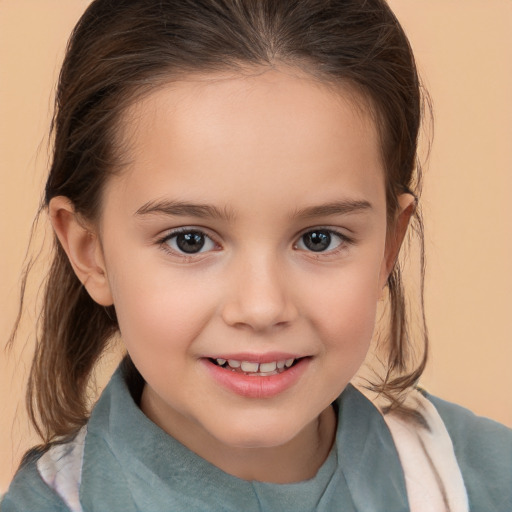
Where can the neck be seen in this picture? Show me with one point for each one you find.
(297, 460)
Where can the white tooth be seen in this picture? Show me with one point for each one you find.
(289, 362)
(268, 367)
(220, 362)
(280, 365)
(234, 363)
(249, 367)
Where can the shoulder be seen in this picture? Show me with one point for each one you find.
(29, 493)
(483, 449)
(474, 437)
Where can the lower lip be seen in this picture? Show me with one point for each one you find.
(257, 386)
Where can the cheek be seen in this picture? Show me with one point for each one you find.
(159, 311)
(346, 309)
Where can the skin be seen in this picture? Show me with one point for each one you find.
(262, 149)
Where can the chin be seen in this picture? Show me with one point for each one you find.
(251, 435)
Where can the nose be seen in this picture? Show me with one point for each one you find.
(258, 296)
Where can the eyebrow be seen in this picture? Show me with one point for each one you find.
(333, 208)
(183, 209)
(204, 211)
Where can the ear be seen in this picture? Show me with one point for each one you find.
(396, 234)
(83, 248)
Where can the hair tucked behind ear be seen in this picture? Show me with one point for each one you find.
(123, 49)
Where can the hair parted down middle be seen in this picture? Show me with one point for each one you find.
(121, 50)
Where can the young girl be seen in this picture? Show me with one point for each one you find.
(231, 184)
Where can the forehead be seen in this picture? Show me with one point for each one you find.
(266, 132)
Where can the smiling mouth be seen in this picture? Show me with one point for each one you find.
(255, 369)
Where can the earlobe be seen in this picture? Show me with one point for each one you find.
(83, 249)
(406, 207)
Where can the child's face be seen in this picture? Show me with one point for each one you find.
(249, 225)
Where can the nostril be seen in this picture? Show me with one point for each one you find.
(258, 317)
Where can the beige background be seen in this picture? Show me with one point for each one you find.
(464, 51)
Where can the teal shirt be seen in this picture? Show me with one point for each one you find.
(130, 464)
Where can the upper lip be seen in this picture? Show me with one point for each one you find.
(256, 358)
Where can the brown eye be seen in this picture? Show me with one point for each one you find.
(190, 242)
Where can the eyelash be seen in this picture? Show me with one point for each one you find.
(344, 241)
(163, 242)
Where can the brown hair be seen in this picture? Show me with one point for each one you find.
(120, 50)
